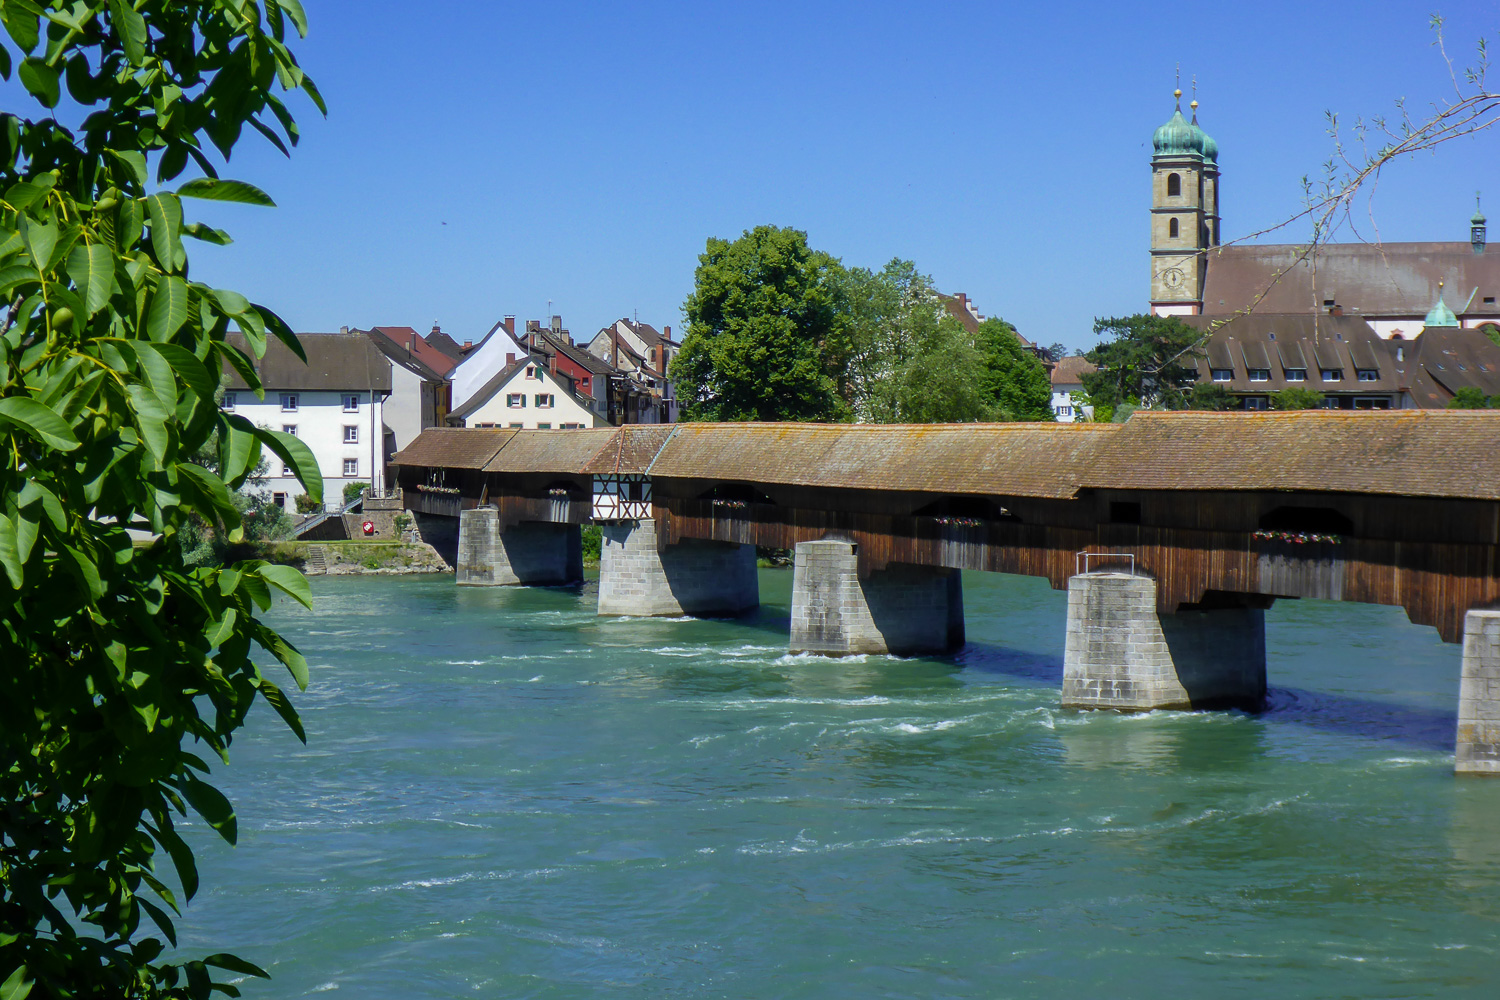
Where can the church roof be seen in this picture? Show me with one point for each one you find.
(1365, 279)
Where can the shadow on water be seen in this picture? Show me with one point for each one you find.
(1428, 728)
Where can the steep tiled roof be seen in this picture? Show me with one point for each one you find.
(1391, 279)
(454, 447)
(1070, 371)
(427, 362)
(1443, 453)
(335, 361)
(1308, 341)
(1443, 360)
(487, 391)
(446, 344)
(1037, 459)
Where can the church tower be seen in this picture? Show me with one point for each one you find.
(1184, 212)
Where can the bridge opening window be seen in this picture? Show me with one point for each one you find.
(735, 495)
(1257, 403)
(1367, 374)
(1172, 229)
(1296, 374)
(1223, 374)
(1309, 520)
(964, 509)
(1332, 374)
(1124, 512)
(1174, 189)
(515, 400)
(1260, 374)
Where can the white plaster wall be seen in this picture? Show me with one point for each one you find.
(565, 411)
(1062, 396)
(1175, 309)
(404, 409)
(320, 420)
(482, 364)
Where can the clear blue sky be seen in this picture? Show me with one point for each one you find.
(482, 158)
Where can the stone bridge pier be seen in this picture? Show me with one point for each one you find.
(692, 577)
(1121, 653)
(903, 609)
(1477, 750)
(531, 552)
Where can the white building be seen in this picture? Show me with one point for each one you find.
(486, 358)
(419, 385)
(334, 403)
(1067, 383)
(526, 395)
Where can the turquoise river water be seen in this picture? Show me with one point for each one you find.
(504, 795)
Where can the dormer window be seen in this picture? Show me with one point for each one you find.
(1367, 374)
(1332, 374)
(1296, 374)
(1223, 374)
(1260, 374)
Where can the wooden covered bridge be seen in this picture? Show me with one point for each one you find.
(1172, 532)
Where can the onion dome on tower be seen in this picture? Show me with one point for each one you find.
(1476, 227)
(1440, 315)
(1179, 137)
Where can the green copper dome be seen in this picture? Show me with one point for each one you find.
(1440, 314)
(1180, 137)
(1477, 219)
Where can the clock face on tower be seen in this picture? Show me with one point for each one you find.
(1172, 276)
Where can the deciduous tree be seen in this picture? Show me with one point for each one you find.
(1142, 361)
(763, 311)
(115, 657)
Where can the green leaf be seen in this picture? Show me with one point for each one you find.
(165, 212)
(290, 580)
(134, 161)
(158, 373)
(160, 918)
(277, 699)
(10, 553)
(294, 11)
(234, 964)
(187, 366)
(284, 651)
(151, 417)
(34, 491)
(28, 526)
(233, 303)
(22, 22)
(131, 28)
(222, 190)
(15, 276)
(17, 986)
(41, 80)
(5, 66)
(24, 194)
(207, 234)
(92, 269)
(84, 567)
(219, 505)
(298, 456)
(40, 422)
(237, 448)
(169, 308)
(211, 804)
(182, 858)
(41, 238)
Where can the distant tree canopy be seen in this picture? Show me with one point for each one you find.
(762, 310)
(778, 331)
(1208, 396)
(1472, 398)
(1142, 362)
(1295, 397)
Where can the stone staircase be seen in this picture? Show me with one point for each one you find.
(316, 563)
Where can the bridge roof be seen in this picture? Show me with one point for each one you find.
(632, 450)
(1023, 459)
(454, 447)
(550, 451)
(1437, 453)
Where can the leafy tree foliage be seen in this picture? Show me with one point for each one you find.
(762, 312)
(1296, 397)
(1015, 380)
(1208, 396)
(112, 656)
(1142, 361)
(1472, 398)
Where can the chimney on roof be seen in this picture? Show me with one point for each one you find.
(343, 329)
(509, 323)
(411, 343)
(468, 345)
(556, 323)
(435, 329)
(666, 332)
(510, 359)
